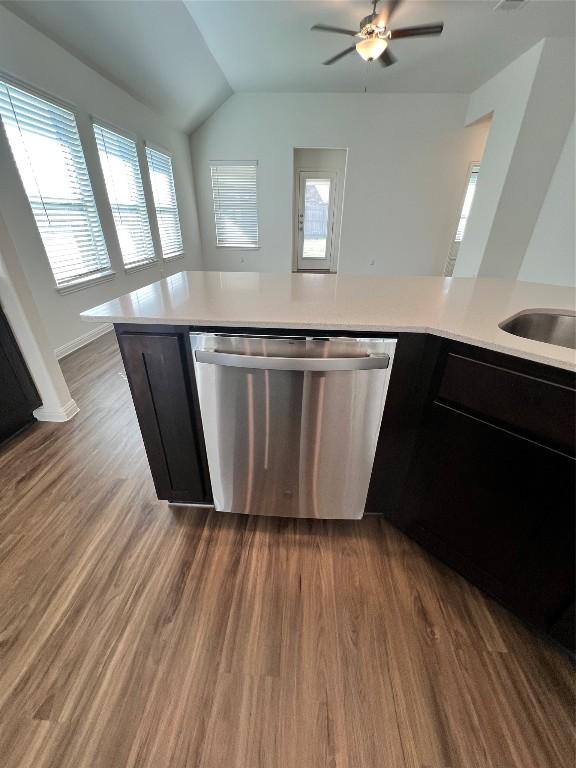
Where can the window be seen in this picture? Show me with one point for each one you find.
(46, 146)
(464, 214)
(235, 204)
(119, 160)
(162, 180)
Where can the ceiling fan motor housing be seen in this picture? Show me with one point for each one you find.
(374, 38)
(370, 27)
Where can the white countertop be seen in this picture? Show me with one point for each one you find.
(464, 309)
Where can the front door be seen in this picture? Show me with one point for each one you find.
(315, 248)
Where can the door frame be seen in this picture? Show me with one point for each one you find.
(328, 263)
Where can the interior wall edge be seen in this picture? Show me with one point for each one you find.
(29, 330)
(505, 96)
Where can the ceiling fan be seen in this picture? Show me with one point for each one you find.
(375, 35)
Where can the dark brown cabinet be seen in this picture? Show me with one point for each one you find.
(490, 487)
(498, 507)
(161, 376)
(564, 628)
(18, 395)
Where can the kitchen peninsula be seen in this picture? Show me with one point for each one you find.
(463, 309)
(474, 457)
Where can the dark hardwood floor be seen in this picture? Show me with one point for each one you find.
(135, 635)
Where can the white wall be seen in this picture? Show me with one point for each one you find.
(35, 59)
(532, 106)
(505, 98)
(551, 254)
(407, 161)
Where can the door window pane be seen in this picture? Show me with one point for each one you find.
(316, 215)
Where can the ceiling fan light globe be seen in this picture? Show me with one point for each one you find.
(371, 48)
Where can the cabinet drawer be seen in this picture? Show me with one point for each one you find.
(532, 407)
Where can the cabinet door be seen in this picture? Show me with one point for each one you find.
(564, 629)
(497, 507)
(18, 395)
(161, 379)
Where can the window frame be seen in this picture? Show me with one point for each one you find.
(137, 141)
(163, 151)
(236, 163)
(454, 243)
(78, 282)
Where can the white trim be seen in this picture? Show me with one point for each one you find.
(127, 134)
(57, 414)
(190, 504)
(158, 148)
(142, 265)
(241, 247)
(242, 163)
(81, 341)
(85, 282)
(34, 90)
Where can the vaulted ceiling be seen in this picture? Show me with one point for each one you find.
(268, 46)
(151, 49)
(185, 57)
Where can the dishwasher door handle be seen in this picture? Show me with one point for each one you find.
(366, 363)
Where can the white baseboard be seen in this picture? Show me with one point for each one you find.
(65, 413)
(81, 341)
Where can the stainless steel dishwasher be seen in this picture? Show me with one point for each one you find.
(291, 423)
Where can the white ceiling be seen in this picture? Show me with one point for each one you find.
(182, 56)
(268, 46)
(151, 49)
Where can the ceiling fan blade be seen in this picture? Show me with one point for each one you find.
(340, 55)
(387, 58)
(424, 29)
(385, 16)
(337, 30)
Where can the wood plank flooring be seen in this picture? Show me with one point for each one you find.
(135, 635)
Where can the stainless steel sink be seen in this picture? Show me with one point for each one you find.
(554, 326)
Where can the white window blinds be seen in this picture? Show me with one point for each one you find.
(162, 180)
(468, 200)
(235, 204)
(464, 214)
(119, 160)
(46, 146)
